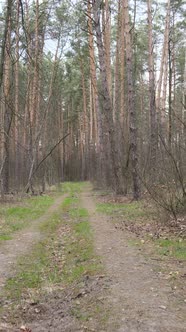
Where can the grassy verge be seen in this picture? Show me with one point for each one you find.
(16, 217)
(172, 248)
(134, 211)
(141, 219)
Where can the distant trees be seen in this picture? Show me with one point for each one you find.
(114, 82)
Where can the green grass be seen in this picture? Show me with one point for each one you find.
(49, 226)
(4, 237)
(80, 257)
(71, 187)
(29, 275)
(131, 211)
(83, 229)
(77, 212)
(138, 212)
(39, 266)
(14, 218)
(172, 247)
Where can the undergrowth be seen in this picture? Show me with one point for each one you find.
(138, 215)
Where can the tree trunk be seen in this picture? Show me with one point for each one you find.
(106, 29)
(6, 109)
(97, 110)
(107, 104)
(152, 95)
(131, 108)
(160, 101)
(16, 147)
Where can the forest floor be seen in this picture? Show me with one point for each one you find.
(91, 263)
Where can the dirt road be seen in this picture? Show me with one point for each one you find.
(137, 299)
(140, 300)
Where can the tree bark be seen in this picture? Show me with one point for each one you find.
(131, 108)
(160, 100)
(6, 108)
(16, 148)
(107, 103)
(99, 142)
(152, 96)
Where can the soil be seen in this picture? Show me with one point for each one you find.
(134, 297)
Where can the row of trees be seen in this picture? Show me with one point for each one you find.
(109, 104)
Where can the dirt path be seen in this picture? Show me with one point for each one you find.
(140, 300)
(21, 243)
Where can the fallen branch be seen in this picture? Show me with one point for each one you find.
(42, 161)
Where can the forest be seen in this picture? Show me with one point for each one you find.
(94, 90)
(92, 165)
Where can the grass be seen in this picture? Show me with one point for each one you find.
(138, 212)
(80, 257)
(63, 257)
(172, 247)
(71, 187)
(4, 237)
(49, 226)
(131, 211)
(15, 218)
(34, 269)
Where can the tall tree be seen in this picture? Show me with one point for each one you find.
(152, 96)
(131, 107)
(107, 102)
(6, 106)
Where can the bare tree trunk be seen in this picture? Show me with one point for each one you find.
(5, 111)
(123, 112)
(43, 127)
(107, 103)
(184, 106)
(160, 101)
(91, 113)
(152, 95)
(170, 95)
(106, 28)
(16, 148)
(116, 104)
(131, 108)
(97, 110)
(60, 134)
(85, 120)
